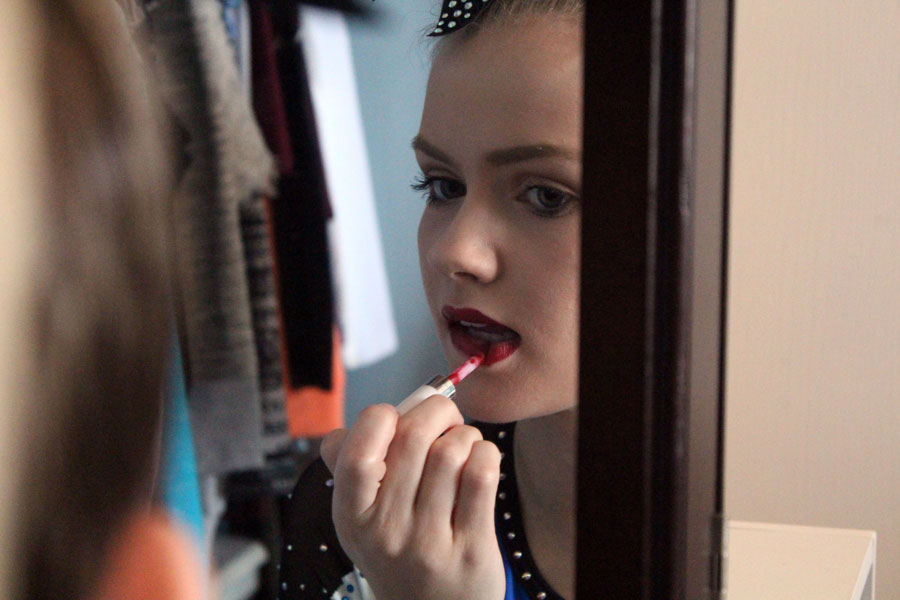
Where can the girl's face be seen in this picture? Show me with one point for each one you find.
(499, 242)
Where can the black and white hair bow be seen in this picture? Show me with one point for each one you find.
(456, 14)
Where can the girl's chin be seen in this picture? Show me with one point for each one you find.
(493, 408)
(478, 403)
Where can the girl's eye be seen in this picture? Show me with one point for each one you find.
(439, 189)
(548, 201)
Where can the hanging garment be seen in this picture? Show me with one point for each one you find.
(300, 209)
(256, 231)
(227, 165)
(313, 411)
(315, 382)
(363, 299)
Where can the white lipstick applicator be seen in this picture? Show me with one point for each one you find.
(445, 386)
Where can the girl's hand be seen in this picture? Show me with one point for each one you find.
(414, 509)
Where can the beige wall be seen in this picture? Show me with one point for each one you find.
(813, 351)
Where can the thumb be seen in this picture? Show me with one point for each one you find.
(331, 447)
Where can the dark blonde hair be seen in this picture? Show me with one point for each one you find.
(98, 311)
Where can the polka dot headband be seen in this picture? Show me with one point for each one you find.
(456, 14)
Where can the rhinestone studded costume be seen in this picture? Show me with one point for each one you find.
(313, 565)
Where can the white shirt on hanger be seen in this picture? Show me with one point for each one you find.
(362, 295)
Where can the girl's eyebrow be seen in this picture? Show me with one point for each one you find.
(419, 144)
(503, 156)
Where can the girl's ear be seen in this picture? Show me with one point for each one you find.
(153, 559)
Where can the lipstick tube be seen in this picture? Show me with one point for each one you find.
(445, 386)
(437, 385)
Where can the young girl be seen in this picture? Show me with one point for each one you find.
(83, 314)
(424, 506)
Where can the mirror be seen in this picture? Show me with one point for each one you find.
(811, 333)
(501, 274)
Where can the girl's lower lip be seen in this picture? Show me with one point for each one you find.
(470, 346)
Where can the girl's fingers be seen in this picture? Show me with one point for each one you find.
(331, 447)
(415, 433)
(440, 479)
(473, 517)
(360, 464)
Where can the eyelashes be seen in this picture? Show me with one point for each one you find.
(438, 189)
(542, 200)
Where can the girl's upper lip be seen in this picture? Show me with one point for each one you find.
(471, 315)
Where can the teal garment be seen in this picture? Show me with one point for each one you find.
(180, 484)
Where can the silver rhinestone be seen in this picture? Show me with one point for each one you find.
(451, 24)
(283, 586)
(502, 476)
(329, 483)
(467, 5)
(511, 535)
(323, 548)
(290, 547)
(291, 495)
(526, 576)
(452, 3)
(502, 495)
(517, 555)
(501, 434)
(541, 595)
(507, 516)
(457, 13)
(302, 586)
(444, 16)
(324, 591)
(467, 15)
(439, 30)
(440, 22)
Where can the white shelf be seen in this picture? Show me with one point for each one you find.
(239, 560)
(767, 561)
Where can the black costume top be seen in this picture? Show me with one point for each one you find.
(313, 565)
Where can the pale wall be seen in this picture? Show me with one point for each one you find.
(813, 347)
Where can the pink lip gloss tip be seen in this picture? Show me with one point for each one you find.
(466, 369)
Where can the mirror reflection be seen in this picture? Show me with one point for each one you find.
(301, 257)
(495, 163)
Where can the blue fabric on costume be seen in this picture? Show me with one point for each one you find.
(514, 590)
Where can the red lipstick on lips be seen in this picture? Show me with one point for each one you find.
(473, 332)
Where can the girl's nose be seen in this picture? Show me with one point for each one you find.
(466, 248)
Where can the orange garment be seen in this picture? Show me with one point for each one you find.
(313, 411)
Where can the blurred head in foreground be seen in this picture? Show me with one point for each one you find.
(82, 313)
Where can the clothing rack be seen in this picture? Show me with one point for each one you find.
(257, 370)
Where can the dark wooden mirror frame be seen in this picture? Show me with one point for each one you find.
(657, 95)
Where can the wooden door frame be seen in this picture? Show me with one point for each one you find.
(655, 188)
